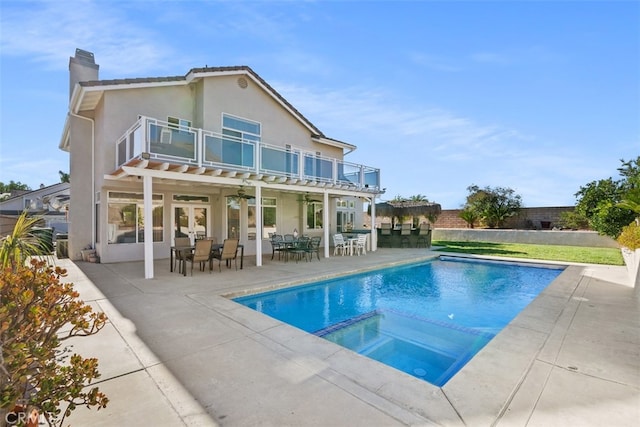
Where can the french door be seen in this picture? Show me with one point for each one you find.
(190, 221)
(344, 221)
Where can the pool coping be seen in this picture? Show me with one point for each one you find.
(503, 383)
(516, 346)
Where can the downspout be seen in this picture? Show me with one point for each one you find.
(93, 179)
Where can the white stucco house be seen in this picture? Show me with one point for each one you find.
(216, 152)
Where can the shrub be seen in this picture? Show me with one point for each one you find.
(37, 314)
(574, 220)
(630, 236)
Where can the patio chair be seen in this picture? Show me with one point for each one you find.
(361, 244)
(385, 234)
(424, 237)
(228, 252)
(289, 239)
(180, 242)
(405, 232)
(201, 254)
(299, 248)
(314, 247)
(277, 245)
(339, 245)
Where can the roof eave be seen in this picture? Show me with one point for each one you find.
(334, 143)
(64, 140)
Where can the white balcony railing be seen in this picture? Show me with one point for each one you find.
(169, 142)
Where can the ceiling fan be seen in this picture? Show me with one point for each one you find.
(307, 199)
(242, 194)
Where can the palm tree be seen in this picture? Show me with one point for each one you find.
(419, 198)
(22, 243)
(469, 216)
(631, 201)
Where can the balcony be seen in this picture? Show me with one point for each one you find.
(174, 144)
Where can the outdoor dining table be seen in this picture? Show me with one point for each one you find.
(350, 242)
(350, 239)
(217, 247)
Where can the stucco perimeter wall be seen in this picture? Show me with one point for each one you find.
(542, 237)
(527, 218)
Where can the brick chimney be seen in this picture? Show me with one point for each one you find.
(82, 68)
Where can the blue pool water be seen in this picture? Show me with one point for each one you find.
(427, 319)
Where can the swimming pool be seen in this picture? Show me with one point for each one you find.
(426, 319)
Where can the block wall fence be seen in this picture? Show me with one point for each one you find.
(528, 218)
(531, 225)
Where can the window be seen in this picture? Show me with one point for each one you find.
(240, 128)
(180, 124)
(346, 215)
(190, 198)
(314, 215)
(238, 143)
(269, 211)
(233, 217)
(125, 218)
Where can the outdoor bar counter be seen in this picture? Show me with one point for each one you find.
(395, 240)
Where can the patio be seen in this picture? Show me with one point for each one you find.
(176, 352)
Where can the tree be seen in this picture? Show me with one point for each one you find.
(631, 201)
(22, 243)
(64, 177)
(574, 220)
(419, 198)
(469, 216)
(493, 205)
(630, 234)
(7, 189)
(601, 202)
(12, 185)
(37, 314)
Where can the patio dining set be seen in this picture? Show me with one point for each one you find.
(204, 252)
(289, 246)
(349, 244)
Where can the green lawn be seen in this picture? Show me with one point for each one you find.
(609, 256)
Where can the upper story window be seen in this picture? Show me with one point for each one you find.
(180, 124)
(241, 128)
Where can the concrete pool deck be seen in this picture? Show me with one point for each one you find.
(176, 352)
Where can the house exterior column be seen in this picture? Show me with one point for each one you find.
(148, 226)
(259, 225)
(374, 230)
(325, 223)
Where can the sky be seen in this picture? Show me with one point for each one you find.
(541, 97)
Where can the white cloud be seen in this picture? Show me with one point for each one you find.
(50, 33)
